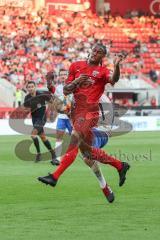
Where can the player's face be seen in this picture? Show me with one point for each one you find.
(62, 76)
(31, 88)
(96, 55)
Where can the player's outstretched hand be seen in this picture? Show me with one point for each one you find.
(119, 58)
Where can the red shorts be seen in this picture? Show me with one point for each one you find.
(83, 122)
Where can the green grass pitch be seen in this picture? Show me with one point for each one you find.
(76, 209)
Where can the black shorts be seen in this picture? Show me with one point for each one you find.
(38, 124)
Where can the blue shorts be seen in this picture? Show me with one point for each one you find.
(63, 124)
(100, 138)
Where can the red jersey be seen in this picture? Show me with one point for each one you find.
(100, 76)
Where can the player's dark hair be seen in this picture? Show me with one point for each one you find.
(62, 70)
(30, 82)
(103, 47)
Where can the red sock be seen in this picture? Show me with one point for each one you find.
(66, 161)
(106, 190)
(101, 156)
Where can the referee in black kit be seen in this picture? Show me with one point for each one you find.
(35, 102)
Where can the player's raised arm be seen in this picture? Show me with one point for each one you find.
(50, 82)
(116, 71)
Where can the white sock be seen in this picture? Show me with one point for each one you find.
(98, 173)
(58, 149)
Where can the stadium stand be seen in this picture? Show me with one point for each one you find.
(33, 43)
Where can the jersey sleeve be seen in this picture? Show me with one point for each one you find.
(71, 74)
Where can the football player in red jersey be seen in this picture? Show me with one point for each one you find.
(87, 80)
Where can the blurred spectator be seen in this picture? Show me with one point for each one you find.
(143, 48)
(18, 98)
(153, 101)
(33, 43)
(153, 75)
(146, 103)
(153, 39)
(136, 49)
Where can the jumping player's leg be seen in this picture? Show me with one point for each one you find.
(82, 131)
(69, 157)
(81, 126)
(102, 182)
(66, 161)
(100, 139)
(101, 156)
(96, 170)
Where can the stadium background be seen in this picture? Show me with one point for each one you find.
(39, 36)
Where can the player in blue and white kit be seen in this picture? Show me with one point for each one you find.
(63, 121)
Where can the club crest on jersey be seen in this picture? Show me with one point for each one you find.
(39, 105)
(95, 73)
